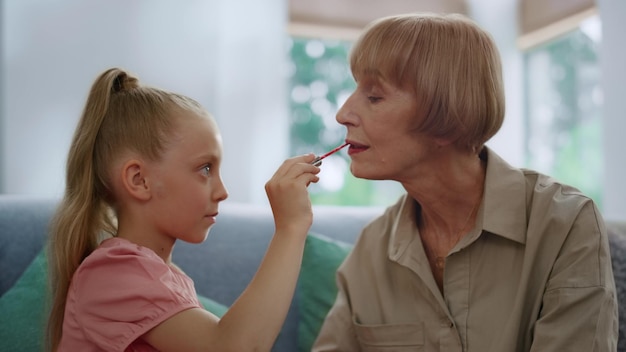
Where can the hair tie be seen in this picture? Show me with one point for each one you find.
(118, 83)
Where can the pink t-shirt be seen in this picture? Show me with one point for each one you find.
(119, 293)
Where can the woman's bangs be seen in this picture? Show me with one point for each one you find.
(366, 58)
(380, 55)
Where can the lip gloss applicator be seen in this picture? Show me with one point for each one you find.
(318, 160)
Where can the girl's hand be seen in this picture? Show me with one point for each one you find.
(288, 195)
(256, 317)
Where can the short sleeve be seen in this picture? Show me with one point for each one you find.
(121, 292)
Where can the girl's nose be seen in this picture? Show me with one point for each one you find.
(220, 192)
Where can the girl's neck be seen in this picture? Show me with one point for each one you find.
(161, 248)
(146, 236)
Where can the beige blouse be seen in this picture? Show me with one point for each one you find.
(533, 275)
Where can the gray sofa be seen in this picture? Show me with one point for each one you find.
(223, 265)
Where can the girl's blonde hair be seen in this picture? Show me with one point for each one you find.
(452, 66)
(120, 116)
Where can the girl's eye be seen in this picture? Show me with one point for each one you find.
(374, 99)
(206, 170)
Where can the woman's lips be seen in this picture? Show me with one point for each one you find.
(356, 148)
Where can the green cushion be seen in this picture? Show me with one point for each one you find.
(317, 288)
(212, 306)
(23, 311)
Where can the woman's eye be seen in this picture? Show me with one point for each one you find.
(373, 99)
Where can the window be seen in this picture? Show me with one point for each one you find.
(564, 109)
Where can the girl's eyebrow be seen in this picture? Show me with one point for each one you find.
(206, 157)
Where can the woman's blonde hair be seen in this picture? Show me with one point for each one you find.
(451, 65)
(119, 116)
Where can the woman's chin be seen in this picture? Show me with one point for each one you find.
(365, 173)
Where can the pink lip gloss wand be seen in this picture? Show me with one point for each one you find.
(318, 161)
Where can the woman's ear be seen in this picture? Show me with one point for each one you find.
(134, 179)
(442, 141)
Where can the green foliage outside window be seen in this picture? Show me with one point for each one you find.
(564, 111)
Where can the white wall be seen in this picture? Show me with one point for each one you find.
(499, 18)
(229, 60)
(251, 96)
(613, 61)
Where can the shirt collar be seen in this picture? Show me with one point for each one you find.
(502, 212)
(504, 199)
(404, 227)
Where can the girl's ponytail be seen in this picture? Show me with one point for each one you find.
(83, 215)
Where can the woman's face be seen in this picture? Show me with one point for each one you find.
(380, 121)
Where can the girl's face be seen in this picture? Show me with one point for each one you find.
(380, 121)
(188, 185)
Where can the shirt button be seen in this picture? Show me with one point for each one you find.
(447, 323)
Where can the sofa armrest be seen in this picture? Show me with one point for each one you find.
(617, 241)
(24, 222)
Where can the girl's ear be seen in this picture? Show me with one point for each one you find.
(134, 179)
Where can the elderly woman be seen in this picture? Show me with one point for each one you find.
(478, 255)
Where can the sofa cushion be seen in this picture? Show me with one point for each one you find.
(316, 285)
(617, 241)
(23, 230)
(24, 312)
(212, 306)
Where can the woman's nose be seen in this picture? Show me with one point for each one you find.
(345, 115)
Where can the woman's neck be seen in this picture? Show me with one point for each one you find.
(449, 194)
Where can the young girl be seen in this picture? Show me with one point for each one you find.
(143, 172)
